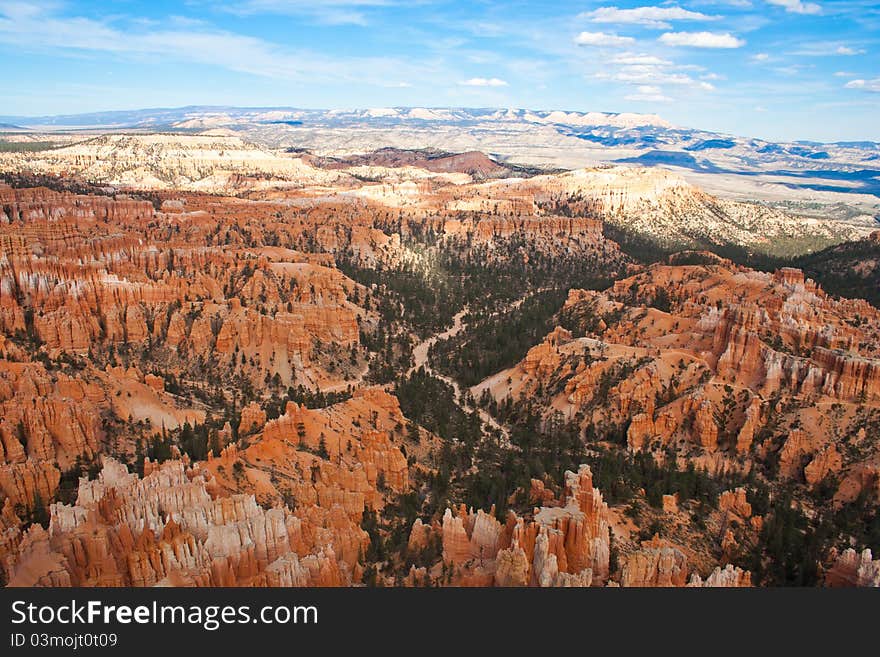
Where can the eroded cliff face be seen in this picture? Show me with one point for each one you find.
(564, 545)
(47, 423)
(660, 204)
(113, 315)
(287, 510)
(147, 284)
(721, 364)
(168, 530)
(284, 511)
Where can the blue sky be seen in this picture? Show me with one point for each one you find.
(777, 69)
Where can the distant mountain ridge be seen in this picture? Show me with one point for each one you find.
(169, 116)
(742, 168)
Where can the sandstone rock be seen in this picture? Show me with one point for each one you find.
(512, 567)
(828, 461)
(655, 566)
(166, 529)
(746, 434)
(798, 445)
(727, 577)
(456, 542)
(538, 494)
(253, 418)
(565, 545)
(705, 429)
(736, 502)
(734, 354)
(854, 569)
(157, 383)
(729, 546)
(419, 537)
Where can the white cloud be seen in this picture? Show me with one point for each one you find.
(640, 69)
(866, 85)
(326, 12)
(630, 59)
(658, 17)
(793, 69)
(654, 76)
(760, 57)
(701, 39)
(827, 49)
(39, 29)
(844, 74)
(649, 94)
(602, 39)
(797, 6)
(483, 82)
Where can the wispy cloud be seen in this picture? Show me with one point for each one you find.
(865, 85)
(797, 6)
(483, 82)
(629, 59)
(827, 49)
(792, 69)
(38, 29)
(649, 94)
(327, 12)
(701, 40)
(741, 4)
(603, 39)
(657, 17)
(655, 76)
